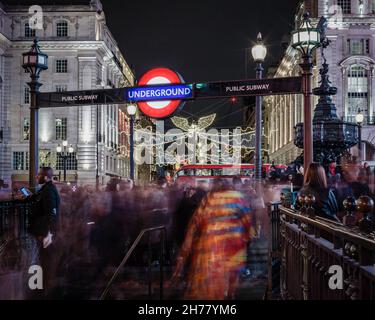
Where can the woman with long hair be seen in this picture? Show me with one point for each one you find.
(316, 184)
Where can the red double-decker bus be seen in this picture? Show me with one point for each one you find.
(193, 175)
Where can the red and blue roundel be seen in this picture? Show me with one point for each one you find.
(160, 109)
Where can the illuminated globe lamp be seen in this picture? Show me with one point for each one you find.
(131, 109)
(259, 51)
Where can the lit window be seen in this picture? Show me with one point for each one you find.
(45, 158)
(62, 66)
(358, 46)
(26, 129)
(61, 129)
(345, 5)
(62, 29)
(71, 162)
(61, 88)
(29, 33)
(26, 95)
(27, 161)
(357, 92)
(18, 160)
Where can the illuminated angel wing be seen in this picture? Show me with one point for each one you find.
(181, 123)
(205, 122)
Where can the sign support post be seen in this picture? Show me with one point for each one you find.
(258, 128)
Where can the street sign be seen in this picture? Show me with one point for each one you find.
(77, 98)
(263, 87)
(160, 108)
(160, 93)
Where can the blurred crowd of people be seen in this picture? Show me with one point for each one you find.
(332, 186)
(209, 226)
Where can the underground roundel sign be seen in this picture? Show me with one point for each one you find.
(155, 79)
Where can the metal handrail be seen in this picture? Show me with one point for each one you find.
(129, 253)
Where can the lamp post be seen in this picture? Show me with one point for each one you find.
(305, 40)
(65, 152)
(359, 118)
(34, 61)
(259, 52)
(132, 110)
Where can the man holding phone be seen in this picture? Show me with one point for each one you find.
(43, 218)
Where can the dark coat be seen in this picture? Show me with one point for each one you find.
(45, 211)
(326, 203)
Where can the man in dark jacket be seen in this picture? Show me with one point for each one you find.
(45, 209)
(43, 224)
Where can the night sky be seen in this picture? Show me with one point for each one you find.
(203, 40)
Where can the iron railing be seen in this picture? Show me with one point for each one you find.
(149, 231)
(309, 248)
(14, 219)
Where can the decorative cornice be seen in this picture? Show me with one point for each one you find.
(356, 59)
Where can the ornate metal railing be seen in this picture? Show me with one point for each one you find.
(162, 240)
(13, 219)
(314, 252)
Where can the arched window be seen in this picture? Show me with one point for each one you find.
(62, 29)
(357, 91)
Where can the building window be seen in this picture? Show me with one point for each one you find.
(26, 95)
(18, 160)
(45, 158)
(61, 88)
(358, 46)
(29, 33)
(345, 5)
(71, 162)
(62, 66)
(99, 74)
(62, 29)
(357, 91)
(27, 161)
(26, 129)
(61, 129)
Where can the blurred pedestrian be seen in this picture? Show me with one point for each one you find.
(316, 184)
(216, 243)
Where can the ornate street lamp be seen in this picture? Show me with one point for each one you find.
(360, 118)
(132, 111)
(34, 62)
(259, 52)
(65, 152)
(306, 39)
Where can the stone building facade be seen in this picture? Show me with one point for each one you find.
(83, 55)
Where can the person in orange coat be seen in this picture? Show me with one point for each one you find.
(215, 245)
